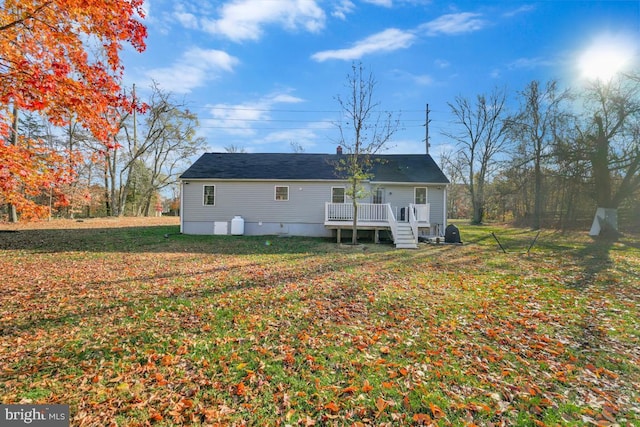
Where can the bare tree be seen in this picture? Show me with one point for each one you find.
(610, 139)
(479, 142)
(144, 162)
(296, 147)
(171, 134)
(234, 149)
(364, 131)
(537, 127)
(457, 197)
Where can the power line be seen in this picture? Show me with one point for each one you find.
(251, 123)
(277, 110)
(285, 128)
(215, 107)
(225, 119)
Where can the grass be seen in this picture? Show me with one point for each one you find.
(134, 326)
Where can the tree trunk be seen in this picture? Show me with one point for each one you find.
(107, 195)
(605, 223)
(477, 201)
(600, 165)
(354, 236)
(606, 218)
(537, 204)
(13, 213)
(478, 212)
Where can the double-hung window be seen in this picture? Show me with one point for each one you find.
(378, 196)
(420, 195)
(337, 194)
(209, 198)
(282, 193)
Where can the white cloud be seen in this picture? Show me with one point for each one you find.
(454, 23)
(530, 63)
(394, 39)
(306, 138)
(383, 3)
(343, 8)
(192, 70)
(385, 41)
(244, 19)
(236, 119)
(418, 79)
(523, 64)
(186, 19)
(522, 9)
(282, 98)
(422, 79)
(242, 119)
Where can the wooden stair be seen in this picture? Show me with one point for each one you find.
(404, 238)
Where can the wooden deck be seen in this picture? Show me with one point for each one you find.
(377, 217)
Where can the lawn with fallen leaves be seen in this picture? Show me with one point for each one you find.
(133, 324)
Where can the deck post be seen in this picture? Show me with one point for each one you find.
(376, 236)
(338, 234)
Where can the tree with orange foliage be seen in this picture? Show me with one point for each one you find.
(61, 59)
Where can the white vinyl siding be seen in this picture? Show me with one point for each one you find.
(401, 195)
(209, 195)
(282, 193)
(255, 201)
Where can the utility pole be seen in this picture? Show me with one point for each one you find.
(135, 121)
(426, 127)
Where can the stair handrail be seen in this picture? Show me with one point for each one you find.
(413, 221)
(393, 223)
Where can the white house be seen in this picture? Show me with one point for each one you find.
(302, 195)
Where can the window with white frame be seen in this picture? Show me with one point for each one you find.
(378, 196)
(282, 193)
(420, 195)
(337, 194)
(209, 198)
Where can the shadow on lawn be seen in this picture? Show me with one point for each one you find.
(158, 239)
(594, 259)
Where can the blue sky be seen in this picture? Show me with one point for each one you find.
(263, 74)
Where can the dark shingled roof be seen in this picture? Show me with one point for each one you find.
(302, 166)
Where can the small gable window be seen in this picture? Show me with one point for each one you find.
(282, 193)
(209, 195)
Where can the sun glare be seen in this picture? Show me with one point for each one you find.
(606, 56)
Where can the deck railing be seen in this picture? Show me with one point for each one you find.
(413, 220)
(422, 212)
(367, 212)
(374, 212)
(392, 223)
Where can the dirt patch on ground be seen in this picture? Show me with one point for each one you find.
(111, 222)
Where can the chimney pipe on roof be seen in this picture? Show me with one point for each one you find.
(339, 150)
